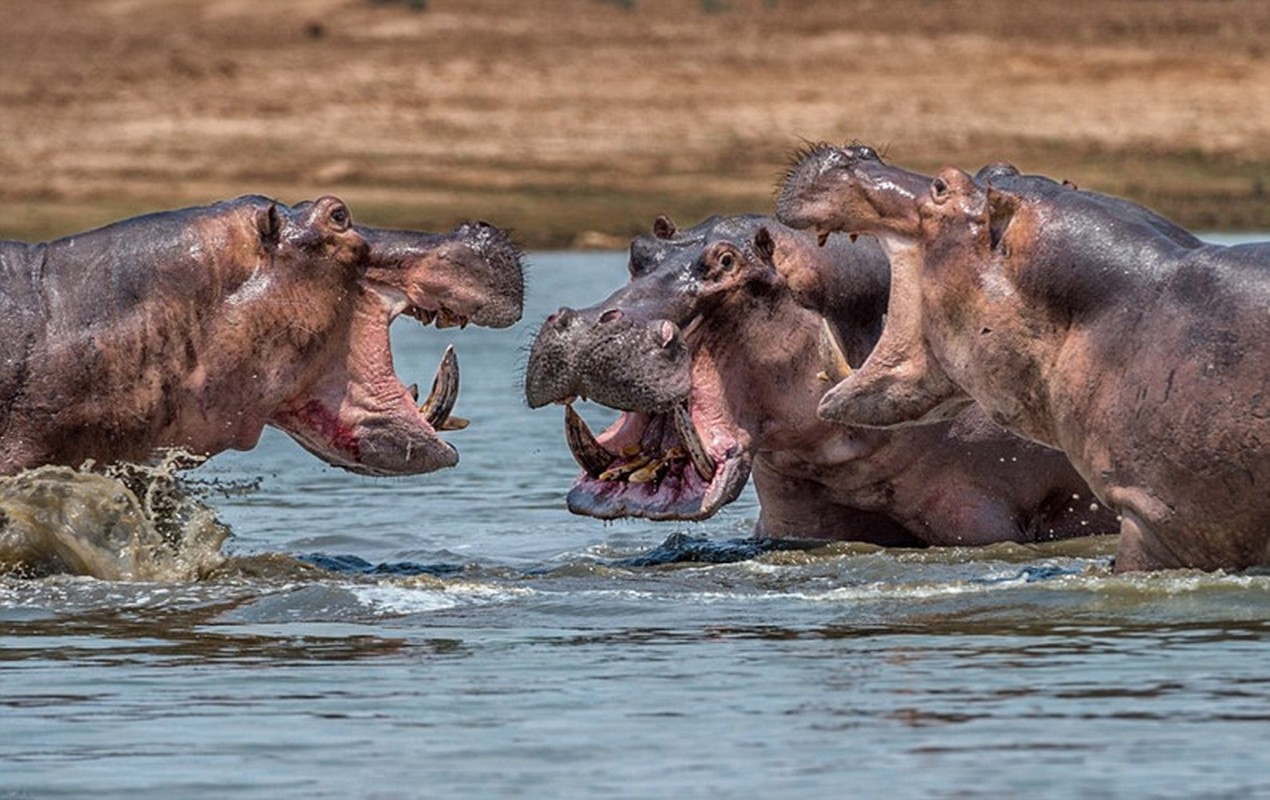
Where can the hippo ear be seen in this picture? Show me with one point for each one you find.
(1001, 207)
(269, 224)
(663, 228)
(764, 245)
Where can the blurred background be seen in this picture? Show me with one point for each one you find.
(577, 121)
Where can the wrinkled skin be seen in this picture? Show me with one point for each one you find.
(728, 320)
(1081, 321)
(196, 328)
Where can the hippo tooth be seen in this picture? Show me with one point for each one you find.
(414, 391)
(692, 442)
(448, 319)
(647, 473)
(832, 360)
(588, 452)
(625, 469)
(822, 238)
(445, 390)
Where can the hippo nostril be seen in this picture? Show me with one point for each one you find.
(561, 318)
(612, 315)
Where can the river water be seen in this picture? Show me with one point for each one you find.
(462, 635)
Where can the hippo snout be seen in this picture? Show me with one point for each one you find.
(611, 356)
(499, 262)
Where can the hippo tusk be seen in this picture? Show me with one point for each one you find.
(692, 442)
(588, 452)
(833, 362)
(445, 390)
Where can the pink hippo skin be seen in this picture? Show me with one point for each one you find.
(719, 350)
(1078, 320)
(196, 328)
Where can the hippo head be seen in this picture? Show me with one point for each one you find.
(678, 350)
(853, 190)
(354, 412)
(627, 352)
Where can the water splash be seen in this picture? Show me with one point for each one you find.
(125, 522)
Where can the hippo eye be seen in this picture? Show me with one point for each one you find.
(939, 190)
(727, 261)
(339, 217)
(866, 153)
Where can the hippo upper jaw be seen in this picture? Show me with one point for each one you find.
(472, 274)
(850, 190)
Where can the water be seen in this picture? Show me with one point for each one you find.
(470, 638)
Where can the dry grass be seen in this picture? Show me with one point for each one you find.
(572, 116)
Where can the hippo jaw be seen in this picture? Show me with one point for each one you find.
(359, 415)
(471, 275)
(668, 455)
(849, 190)
(678, 464)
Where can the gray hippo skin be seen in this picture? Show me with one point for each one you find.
(1078, 320)
(719, 350)
(196, 328)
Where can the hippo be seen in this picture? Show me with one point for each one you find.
(718, 351)
(195, 328)
(1077, 320)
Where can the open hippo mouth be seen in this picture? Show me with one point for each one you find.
(361, 416)
(437, 408)
(684, 463)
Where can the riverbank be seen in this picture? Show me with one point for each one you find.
(577, 121)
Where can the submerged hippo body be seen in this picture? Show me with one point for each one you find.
(719, 350)
(1078, 320)
(196, 328)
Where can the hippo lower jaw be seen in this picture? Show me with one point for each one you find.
(654, 465)
(360, 417)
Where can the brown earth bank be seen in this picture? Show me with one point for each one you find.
(575, 122)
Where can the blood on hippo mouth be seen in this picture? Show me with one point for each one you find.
(361, 417)
(653, 465)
